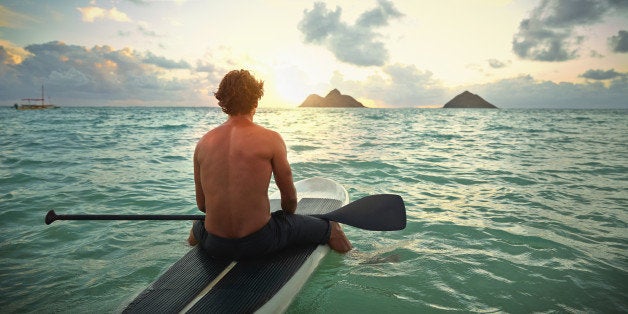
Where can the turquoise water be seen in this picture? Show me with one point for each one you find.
(508, 210)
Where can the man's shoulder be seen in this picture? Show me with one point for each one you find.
(265, 131)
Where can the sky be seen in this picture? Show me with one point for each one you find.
(384, 53)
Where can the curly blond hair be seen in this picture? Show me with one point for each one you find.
(239, 92)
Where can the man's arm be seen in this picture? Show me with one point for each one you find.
(200, 196)
(283, 177)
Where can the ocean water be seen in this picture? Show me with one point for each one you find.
(508, 210)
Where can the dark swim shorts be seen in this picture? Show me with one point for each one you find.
(281, 231)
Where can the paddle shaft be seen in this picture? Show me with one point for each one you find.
(52, 216)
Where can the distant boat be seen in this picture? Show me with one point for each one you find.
(33, 105)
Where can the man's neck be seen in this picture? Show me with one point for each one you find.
(242, 118)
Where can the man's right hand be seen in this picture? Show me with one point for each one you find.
(289, 205)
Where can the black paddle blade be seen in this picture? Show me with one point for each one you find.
(51, 217)
(381, 212)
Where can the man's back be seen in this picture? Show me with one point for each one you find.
(233, 164)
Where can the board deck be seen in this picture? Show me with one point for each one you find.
(199, 284)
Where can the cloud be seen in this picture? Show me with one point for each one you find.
(496, 64)
(526, 92)
(407, 86)
(150, 58)
(595, 54)
(12, 54)
(355, 44)
(319, 23)
(11, 19)
(101, 75)
(91, 14)
(205, 67)
(379, 16)
(548, 34)
(143, 28)
(600, 75)
(398, 86)
(619, 43)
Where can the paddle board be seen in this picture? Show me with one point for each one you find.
(199, 284)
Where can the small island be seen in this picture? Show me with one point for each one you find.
(468, 100)
(333, 100)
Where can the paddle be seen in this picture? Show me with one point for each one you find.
(381, 212)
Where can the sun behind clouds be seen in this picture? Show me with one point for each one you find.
(290, 85)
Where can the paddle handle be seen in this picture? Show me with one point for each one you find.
(52, 216)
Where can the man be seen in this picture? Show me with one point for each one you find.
(233, 164)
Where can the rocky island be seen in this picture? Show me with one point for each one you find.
(468, 100)
(333, 100)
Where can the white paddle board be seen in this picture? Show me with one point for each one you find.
(199, 284)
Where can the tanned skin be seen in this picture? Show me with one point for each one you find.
(233, 165)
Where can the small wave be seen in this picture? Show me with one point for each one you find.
(303, 148)
(169, 127)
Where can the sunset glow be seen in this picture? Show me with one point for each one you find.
(387, 53)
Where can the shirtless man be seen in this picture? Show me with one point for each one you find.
(233, 164)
